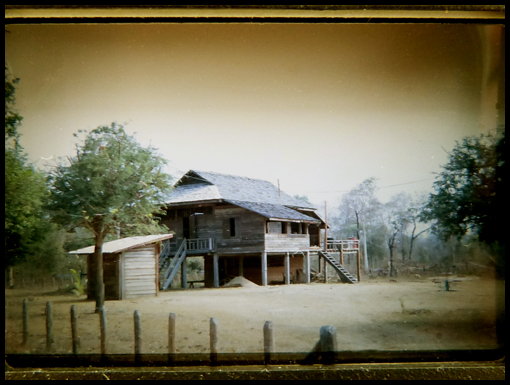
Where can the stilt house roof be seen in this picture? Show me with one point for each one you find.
(256, 195)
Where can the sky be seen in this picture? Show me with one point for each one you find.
(317, 107)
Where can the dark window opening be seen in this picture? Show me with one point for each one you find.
(185, 227)
(232, 227)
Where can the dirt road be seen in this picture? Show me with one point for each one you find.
(413, 315)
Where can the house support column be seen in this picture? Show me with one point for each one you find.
(216, 277)
(325, 270)
(307, 267)
(184, 274)
(241, 267)
(264, 269)
(287, 269)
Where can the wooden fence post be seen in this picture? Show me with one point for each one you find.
(138, 335)
(269, 346)
(214, 340)
(49, 326)
(25, 322)
(74, 330)
(102, 325)
(171, 333)
(328, 344)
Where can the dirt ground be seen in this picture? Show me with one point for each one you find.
(412, 314)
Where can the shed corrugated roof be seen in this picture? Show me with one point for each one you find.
(124, 244)
(200, 184)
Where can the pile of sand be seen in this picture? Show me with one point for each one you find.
(240, 282)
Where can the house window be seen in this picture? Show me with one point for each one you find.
(232, 227)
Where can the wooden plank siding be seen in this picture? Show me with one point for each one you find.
(287, 242)
(140, 276)
(249, 228)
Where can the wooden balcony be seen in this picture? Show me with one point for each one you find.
(193, 246)
(346, 246)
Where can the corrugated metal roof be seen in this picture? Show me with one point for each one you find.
(124, 244)
(194, 193)
(275, 211)
(202, 185)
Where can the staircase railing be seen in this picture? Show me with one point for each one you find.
(174, 265)
(344, 275)
(165, 254)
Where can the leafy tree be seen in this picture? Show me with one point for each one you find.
(25, 191)
(469, 191)
(111, 182)
(304, 199)
(12, 118)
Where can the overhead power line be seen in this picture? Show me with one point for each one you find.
(392, 185)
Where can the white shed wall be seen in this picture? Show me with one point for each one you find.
(140, 272)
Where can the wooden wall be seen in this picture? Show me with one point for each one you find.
(139, 268)
(287, 242)
(249, 227)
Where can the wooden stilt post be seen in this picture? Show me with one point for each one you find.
(287, 269)
(342, 253)
(264, 268)
(241, 266)
(359, 263)
(325, 270)
(171, 333)
(184, 274)
(307, 271)
(269, 345)
(216, 282)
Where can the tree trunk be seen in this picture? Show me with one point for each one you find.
(357, 225)
(97, 271)
(391, 247)
(367, 268)
(10, 278)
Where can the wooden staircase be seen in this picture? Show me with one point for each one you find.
(168, 266)
(344, 275)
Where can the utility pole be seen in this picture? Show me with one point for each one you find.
(326, 228)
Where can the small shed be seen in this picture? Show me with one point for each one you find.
(130, 266)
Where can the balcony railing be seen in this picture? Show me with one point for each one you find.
(193, 245)
(345, 245)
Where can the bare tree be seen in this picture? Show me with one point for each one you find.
(356, 205)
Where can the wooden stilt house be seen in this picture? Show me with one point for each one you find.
(242, 227)
(130, 266)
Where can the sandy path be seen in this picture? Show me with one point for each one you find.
(368, 315)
